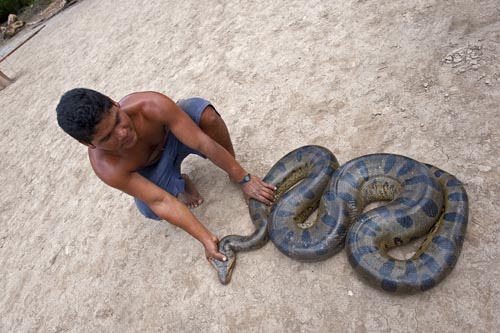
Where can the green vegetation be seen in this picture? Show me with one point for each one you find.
(12, 7)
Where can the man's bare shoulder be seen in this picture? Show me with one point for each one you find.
(109, 168)
(147, 101)
(149, 104)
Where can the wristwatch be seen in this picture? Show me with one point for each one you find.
(245, 180)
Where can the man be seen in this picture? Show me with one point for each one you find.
(137, 146)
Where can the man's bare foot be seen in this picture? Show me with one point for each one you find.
(190, 197)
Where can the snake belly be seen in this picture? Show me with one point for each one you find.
(313, 167)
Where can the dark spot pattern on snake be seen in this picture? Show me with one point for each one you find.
(387, 268)
(329, 221)
(455, 218)
(363, 170)
(306, 238)
(443, 243)
(451, 260)
(457, 197)
(351, 180)
(427, 282)
(329, 196)
(411, 275)
(407, 167)
(454, 182)
(389, 163)
(368, 232)
(430, 208)
(417, 180)
(430, 263)
(389, 285)
(370, 223)
(403, 219)
(347, 198)
(383, 212)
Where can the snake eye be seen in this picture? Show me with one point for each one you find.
(398, 241)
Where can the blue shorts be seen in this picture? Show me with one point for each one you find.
(166, 173)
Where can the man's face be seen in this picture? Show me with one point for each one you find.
(115, 131)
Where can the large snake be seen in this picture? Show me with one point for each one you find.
(420, 200)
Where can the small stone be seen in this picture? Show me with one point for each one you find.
(11, 19)
(350, 293)
(68, 249)
(421, 124)
(426, 85)
(475, 67)
(487, 82)
(484, 168)
(104, 313)
(446, 95)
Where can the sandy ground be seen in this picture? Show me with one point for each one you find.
(419, 78)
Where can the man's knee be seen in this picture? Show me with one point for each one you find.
(212, 124)
(210, 118)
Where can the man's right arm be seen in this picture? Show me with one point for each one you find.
(166, 206)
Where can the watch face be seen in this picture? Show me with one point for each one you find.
(246, 179)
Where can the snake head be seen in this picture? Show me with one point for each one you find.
(225, 268)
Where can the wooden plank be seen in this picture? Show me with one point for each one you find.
(4, 80)
(21, 44)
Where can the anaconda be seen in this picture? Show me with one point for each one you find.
(419, 200)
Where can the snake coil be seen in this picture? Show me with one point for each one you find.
(420, 200)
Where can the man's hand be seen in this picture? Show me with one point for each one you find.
(212, 249)
(259, 190)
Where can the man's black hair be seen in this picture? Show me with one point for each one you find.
(80, 110)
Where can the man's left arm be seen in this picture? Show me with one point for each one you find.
(185, 129)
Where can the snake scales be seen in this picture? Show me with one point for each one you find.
(420, 200)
